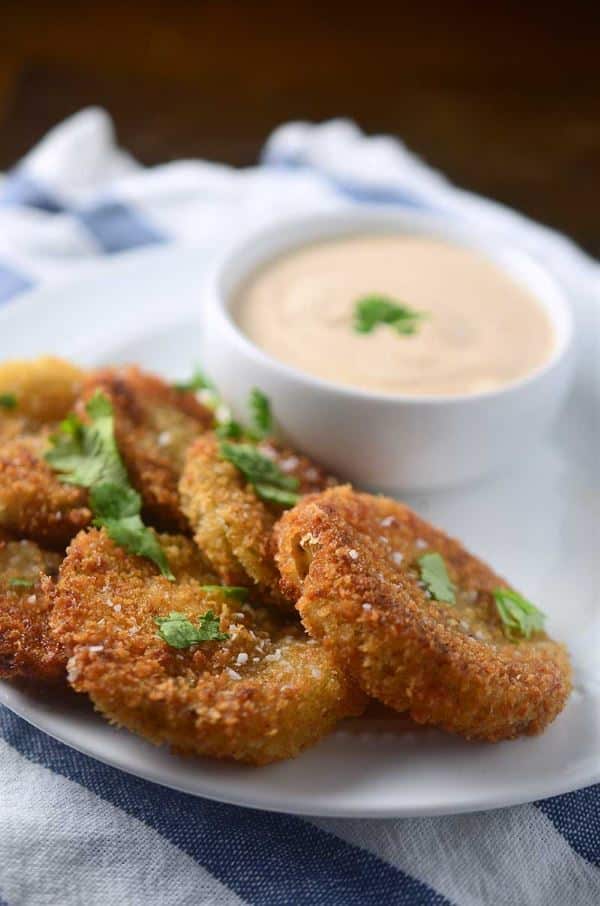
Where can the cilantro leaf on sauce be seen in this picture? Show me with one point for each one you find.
(371, 311)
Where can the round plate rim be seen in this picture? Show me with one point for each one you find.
(127, 265)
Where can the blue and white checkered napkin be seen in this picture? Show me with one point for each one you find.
(73, 831)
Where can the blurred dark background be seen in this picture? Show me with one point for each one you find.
(504, 97)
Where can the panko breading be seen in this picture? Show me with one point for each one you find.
(154, 426)
(231, 524)
(350, 560)
(264, 694)
(33, 502)
(27, 648)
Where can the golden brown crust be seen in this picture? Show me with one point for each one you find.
(33, 502)
(231, 524)
(349, 559)
(154, 425)
(28, 651)
(45, 388)
(260, 696)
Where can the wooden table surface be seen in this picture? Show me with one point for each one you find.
(503, 97)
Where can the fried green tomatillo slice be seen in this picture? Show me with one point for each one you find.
(189, 664)
(415, 617)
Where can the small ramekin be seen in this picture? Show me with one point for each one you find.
(392, 443)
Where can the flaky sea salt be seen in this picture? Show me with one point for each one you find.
(289, 463)
(72, 670)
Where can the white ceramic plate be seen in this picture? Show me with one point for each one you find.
(538, 524)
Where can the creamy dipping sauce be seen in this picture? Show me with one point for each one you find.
(481, 331)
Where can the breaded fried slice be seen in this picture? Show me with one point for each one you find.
(27, 648)
(263, 694)
(231, 524)
(33, 502)
(350, 560)
(154, 426)
(45, 389)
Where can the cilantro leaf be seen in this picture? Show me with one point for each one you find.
(8, 401)
(131, 533)
(114, 501)
(229, 430)
(18, 582)
(179, 632)
(271, 494)
(198, 381)
(257, 467)
(373, 310)
(436, 579)
(520, 618)
(261, 418)
(86, 454)
(236, 592)
(269, 482)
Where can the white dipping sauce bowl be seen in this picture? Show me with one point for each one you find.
(389, 443)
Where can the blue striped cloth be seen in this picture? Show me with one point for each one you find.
(74, 831)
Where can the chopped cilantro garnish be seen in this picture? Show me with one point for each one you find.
(520, 618)
(257, 467)
(18, 582)
(179, 632)
(8, 401)
(117, 509)
(198, 381)
(261, 419)
(435, 578)
(86, 454)
(271, 494)
(229, 430)
(371, 311)
(262, 473)
(236, 592)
